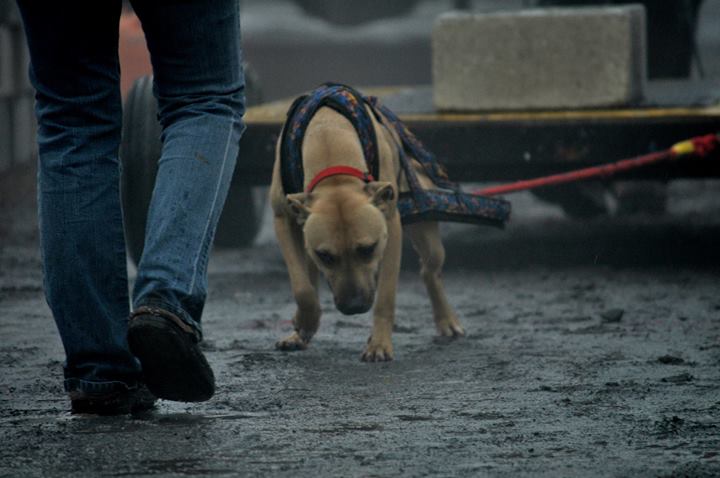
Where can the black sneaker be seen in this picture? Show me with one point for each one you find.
(174, 367)
(123, 402)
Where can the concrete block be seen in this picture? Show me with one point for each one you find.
(24, 129)
(7, 54)
(539, 59)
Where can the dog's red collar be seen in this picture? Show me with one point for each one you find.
(336, 171)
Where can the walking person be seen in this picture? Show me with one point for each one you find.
(113, 356)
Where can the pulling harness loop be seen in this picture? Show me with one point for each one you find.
(344, 100)
(447, 203)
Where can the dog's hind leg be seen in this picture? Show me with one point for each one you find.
(425, 238)
(303, 280)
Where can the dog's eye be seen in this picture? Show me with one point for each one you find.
(366, 252)
(326, 258)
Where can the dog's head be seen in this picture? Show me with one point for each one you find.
(345, 233)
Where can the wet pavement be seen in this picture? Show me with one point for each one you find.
(593, 350)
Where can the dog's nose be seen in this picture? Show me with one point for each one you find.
(354, 305)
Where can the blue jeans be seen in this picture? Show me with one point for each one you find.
(199, 85)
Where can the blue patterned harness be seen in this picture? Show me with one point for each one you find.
(445, 204)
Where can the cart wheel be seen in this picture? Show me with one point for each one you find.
(241, 218)
(139, 155)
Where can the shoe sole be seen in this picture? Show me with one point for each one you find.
(128, 402)
(104, 407)
(174, 367)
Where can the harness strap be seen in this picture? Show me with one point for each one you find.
(411, 145)
(343, 99)
(448, 203)
(337, 171)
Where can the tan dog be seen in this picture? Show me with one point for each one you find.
(350, 231)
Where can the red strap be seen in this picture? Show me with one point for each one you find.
(704, 145)
(700, 146)
(336, 171)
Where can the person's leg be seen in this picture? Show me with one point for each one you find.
(74, 68)
(195, 52)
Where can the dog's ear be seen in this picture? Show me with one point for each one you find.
(299, 206)
(383, 196)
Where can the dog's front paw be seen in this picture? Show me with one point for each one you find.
(450, 327)
(291, 343)
(378, 351)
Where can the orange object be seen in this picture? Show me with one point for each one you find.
(134, 55)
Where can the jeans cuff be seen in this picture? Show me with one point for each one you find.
(177, 311)
(90, 387)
